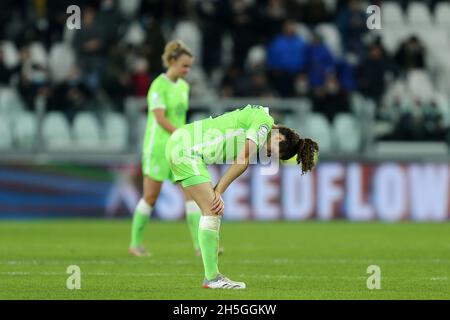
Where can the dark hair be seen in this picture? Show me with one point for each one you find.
(305, 149)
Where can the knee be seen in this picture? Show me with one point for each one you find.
(150, 198)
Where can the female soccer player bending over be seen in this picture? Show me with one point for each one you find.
(234, 137)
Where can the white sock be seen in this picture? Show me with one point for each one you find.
(143, 208)
(211, 223)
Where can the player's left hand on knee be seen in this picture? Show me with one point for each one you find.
(217, 206)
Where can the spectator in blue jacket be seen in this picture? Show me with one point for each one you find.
(351, 22)
(320, 62)
(286, 57)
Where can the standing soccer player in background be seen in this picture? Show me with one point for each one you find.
(168, 100)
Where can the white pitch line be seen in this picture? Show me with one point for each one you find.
(257, 276)
(245, 261)
(439, 279)
(126, 274)
(344, 261)
(105, 262)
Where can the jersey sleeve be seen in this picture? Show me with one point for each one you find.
(156, 97)
(260, 127)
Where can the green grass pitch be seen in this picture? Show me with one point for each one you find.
(277, 260)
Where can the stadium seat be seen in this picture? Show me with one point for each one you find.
(442, 102)
(418, 13)
(38, 54)
(56, 132)
(140, 128)
(443, 77)
(189, 32)
(303, 31)
(6, 139)
(11, 56)
(69, 35)
(391, 14)
(442, 15)
(392, 37)
(198, 116)
(115, 131)
(294, 122)
(61, 61)
(318, 128)
(395, 91)
(86, 131)
(330, 5)
(128, 8)
(256, 56)
(419, 84)
(331, 37)
(346, 133)
(10, 101)
(435, 38)
(135, 35)
(24, 129)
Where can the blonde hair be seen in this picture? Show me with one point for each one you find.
(173, 50)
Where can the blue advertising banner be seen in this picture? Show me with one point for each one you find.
(388, 191)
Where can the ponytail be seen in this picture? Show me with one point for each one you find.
(307, 150)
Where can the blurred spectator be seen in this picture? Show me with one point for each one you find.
(417, 120)
(351, 22)
(116, 77)
(153, 46)
(152, 8)
(345, 73)
(212, 26)
(302, 86)
(111, 20)
(255, 84)
(33, 77)
(411, 54)
(240, 15)
(13, 19)
(231, 80)
(56, 17)
(71, 96)
(271, 15)
(330, 99)
(371, 73)
(433, 122)
(165, 11)
(140, 79)
(320, 62)
(90, 45)
(315, 12)
(286, 57)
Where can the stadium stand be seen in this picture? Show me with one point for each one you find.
(48, 62)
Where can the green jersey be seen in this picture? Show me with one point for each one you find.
(171, 96)
(220, 139)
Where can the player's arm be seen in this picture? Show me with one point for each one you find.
(157, 104)
(160, 116)
(234, 171)
(238, 167)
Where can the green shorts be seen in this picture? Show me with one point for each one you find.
(187, 168)
(156, 167)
